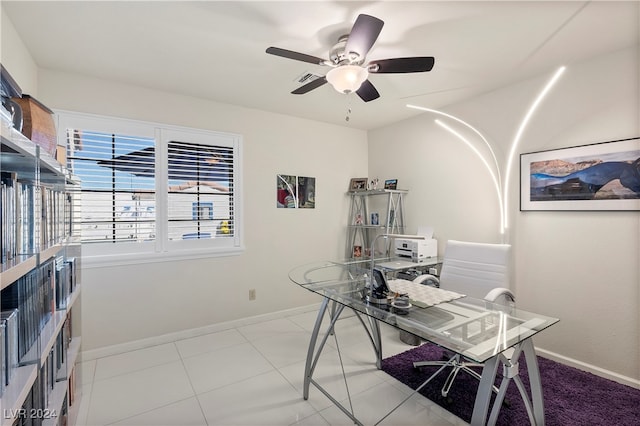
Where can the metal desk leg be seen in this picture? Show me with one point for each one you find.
(533, 405)
(534, 380)
(313, 355)
(377, 341)
(375, 337)
(483, 397)
(308, 370)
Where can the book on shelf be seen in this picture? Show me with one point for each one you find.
(23, 207)
(8, 345)
(73, 273)
(18, 216)
(63, 283)
(33, 297)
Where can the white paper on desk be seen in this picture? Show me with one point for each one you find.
(425, 231)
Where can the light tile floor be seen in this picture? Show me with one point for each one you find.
(252, 375)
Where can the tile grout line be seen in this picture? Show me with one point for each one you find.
(195, 394)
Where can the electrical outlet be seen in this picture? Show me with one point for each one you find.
(252, 294)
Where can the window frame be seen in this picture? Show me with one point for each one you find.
(161, 249)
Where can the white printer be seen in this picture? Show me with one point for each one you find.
(417, 250)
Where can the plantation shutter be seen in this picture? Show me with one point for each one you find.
(117, 197)
(201, 190)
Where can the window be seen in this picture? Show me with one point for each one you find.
(150, 191)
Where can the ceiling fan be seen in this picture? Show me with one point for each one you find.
(349, 72)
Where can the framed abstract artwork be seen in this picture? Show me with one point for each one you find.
(295, 192)
(600, 176)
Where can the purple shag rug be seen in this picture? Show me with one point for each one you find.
(571, 396)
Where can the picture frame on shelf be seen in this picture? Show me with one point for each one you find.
(595, 177)
(391, 184)
(357, 251)
(375, 218)
(358, 184)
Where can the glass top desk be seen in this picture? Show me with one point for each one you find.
(474, 328)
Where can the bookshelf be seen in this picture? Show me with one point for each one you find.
(371, 213)
(40, 336)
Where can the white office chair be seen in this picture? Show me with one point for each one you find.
(477, 270)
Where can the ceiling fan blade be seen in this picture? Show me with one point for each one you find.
(363, 35)
(290, 54)
(402, 65)
(367, 92)
(310, 86)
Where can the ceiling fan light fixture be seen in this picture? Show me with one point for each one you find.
(347, 78)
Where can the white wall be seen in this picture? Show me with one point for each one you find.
(449, 187)
(582, 267)
(126, 303)
(16, 58)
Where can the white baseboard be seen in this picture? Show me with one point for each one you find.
(629, 381)
(186, 334)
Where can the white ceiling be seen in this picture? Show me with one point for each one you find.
(216, 50)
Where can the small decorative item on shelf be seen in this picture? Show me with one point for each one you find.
(391, 184)
(357, 251)
(358, 184)
(38, 123)
(373, 184)
(375, 219)
(359, 220)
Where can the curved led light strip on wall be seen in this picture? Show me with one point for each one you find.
(496, 179)
(523, 124)
(502, 199)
